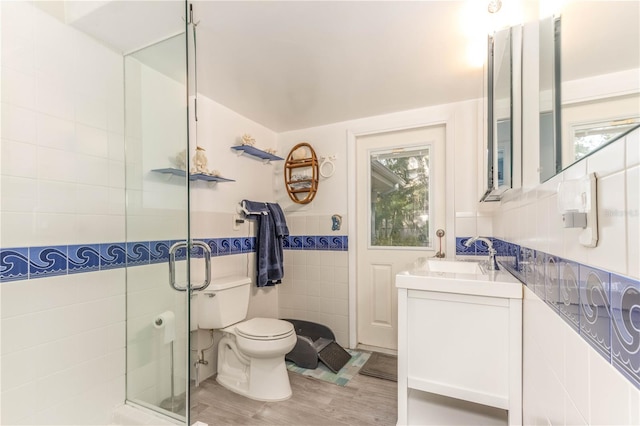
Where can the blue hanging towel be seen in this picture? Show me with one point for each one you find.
(272, 229)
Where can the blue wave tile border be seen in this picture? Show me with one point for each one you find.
(159, 251)
(83, 258)
(14, 264)
(23, 263)
(625, 315)
(602, 307)
(113, 255)
(47, 261)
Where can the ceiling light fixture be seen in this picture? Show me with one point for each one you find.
(494, 6)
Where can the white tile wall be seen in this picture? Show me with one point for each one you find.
(316, 283)
(584, 388)
(590, 391)
(63, 337)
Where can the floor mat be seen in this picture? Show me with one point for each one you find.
(342, 377)
(382, 366)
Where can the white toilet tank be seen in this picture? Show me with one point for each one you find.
(224, 302)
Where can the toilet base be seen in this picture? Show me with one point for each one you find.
(261, 379)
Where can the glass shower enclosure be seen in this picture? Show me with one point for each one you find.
(157, 116)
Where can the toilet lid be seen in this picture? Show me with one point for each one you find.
(264, 328)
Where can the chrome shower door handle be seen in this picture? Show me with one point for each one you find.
(172, 265)
(207, 265)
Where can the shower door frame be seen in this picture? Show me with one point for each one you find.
(184, 269)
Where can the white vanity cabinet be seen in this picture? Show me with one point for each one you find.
(459, 348)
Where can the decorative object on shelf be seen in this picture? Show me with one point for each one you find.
(327, 168)
(200, 161)
(301, 173)
(208, 177)
(181, 160)
(300, 153)
(248, 140)
(271, 151)
(336, 222)
(266, 155)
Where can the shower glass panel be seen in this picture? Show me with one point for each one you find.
(157, 217)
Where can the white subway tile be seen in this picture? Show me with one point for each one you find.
(313, 225)
(576, 364)
(556, 227)
(634, 405)
(17, 403)
(18, 87)
(93, 228)
(608, 393)
(16, 298)
(53, 48)
(571, 414)
(18, 159)
(116, 175)
(116, 337)
(53, 228)
(92, 170)
(56, 133)
(18, 124)
(116, 146)
(55, 388)
(19, 368)
(58, 355)
(633, 221)
(608, 160)
(58, 323)
(18, 333)
(54, 164)
(91, 199)
(633, 148)
(92, 141)
(18, 229)
(485, 226)
(18, 194)
(54, 98)
(56, 197)
(91, 110)
(53, 292)
(610, 254)
(18, 19)
(115, 113)
(18, 51)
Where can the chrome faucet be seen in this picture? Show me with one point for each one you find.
(493, 264)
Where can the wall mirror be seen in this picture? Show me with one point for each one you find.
(589, 80)
(502, 152)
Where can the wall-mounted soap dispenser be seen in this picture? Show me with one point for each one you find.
(577, 202)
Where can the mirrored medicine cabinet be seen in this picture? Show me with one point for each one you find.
(503, 109)
(589, 80)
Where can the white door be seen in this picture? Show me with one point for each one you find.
(400, 205)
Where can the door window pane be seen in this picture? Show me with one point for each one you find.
(399, 181)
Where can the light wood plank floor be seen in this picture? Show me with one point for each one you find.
(363, 401)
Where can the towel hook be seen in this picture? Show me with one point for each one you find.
(327, 162)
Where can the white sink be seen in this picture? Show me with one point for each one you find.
(454, 266)
(461, 277)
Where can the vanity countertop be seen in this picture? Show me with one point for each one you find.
(479, 282)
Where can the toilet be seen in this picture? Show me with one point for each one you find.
(251, 352)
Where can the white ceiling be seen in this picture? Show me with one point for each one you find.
(291, 65)
(297, 64)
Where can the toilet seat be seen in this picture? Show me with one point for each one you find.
(264, 329)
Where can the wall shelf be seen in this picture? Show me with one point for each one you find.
(301, 174)
(192, 176)
(255, 152)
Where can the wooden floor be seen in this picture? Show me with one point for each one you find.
(363, 401)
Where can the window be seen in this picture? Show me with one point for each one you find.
(400, 195)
